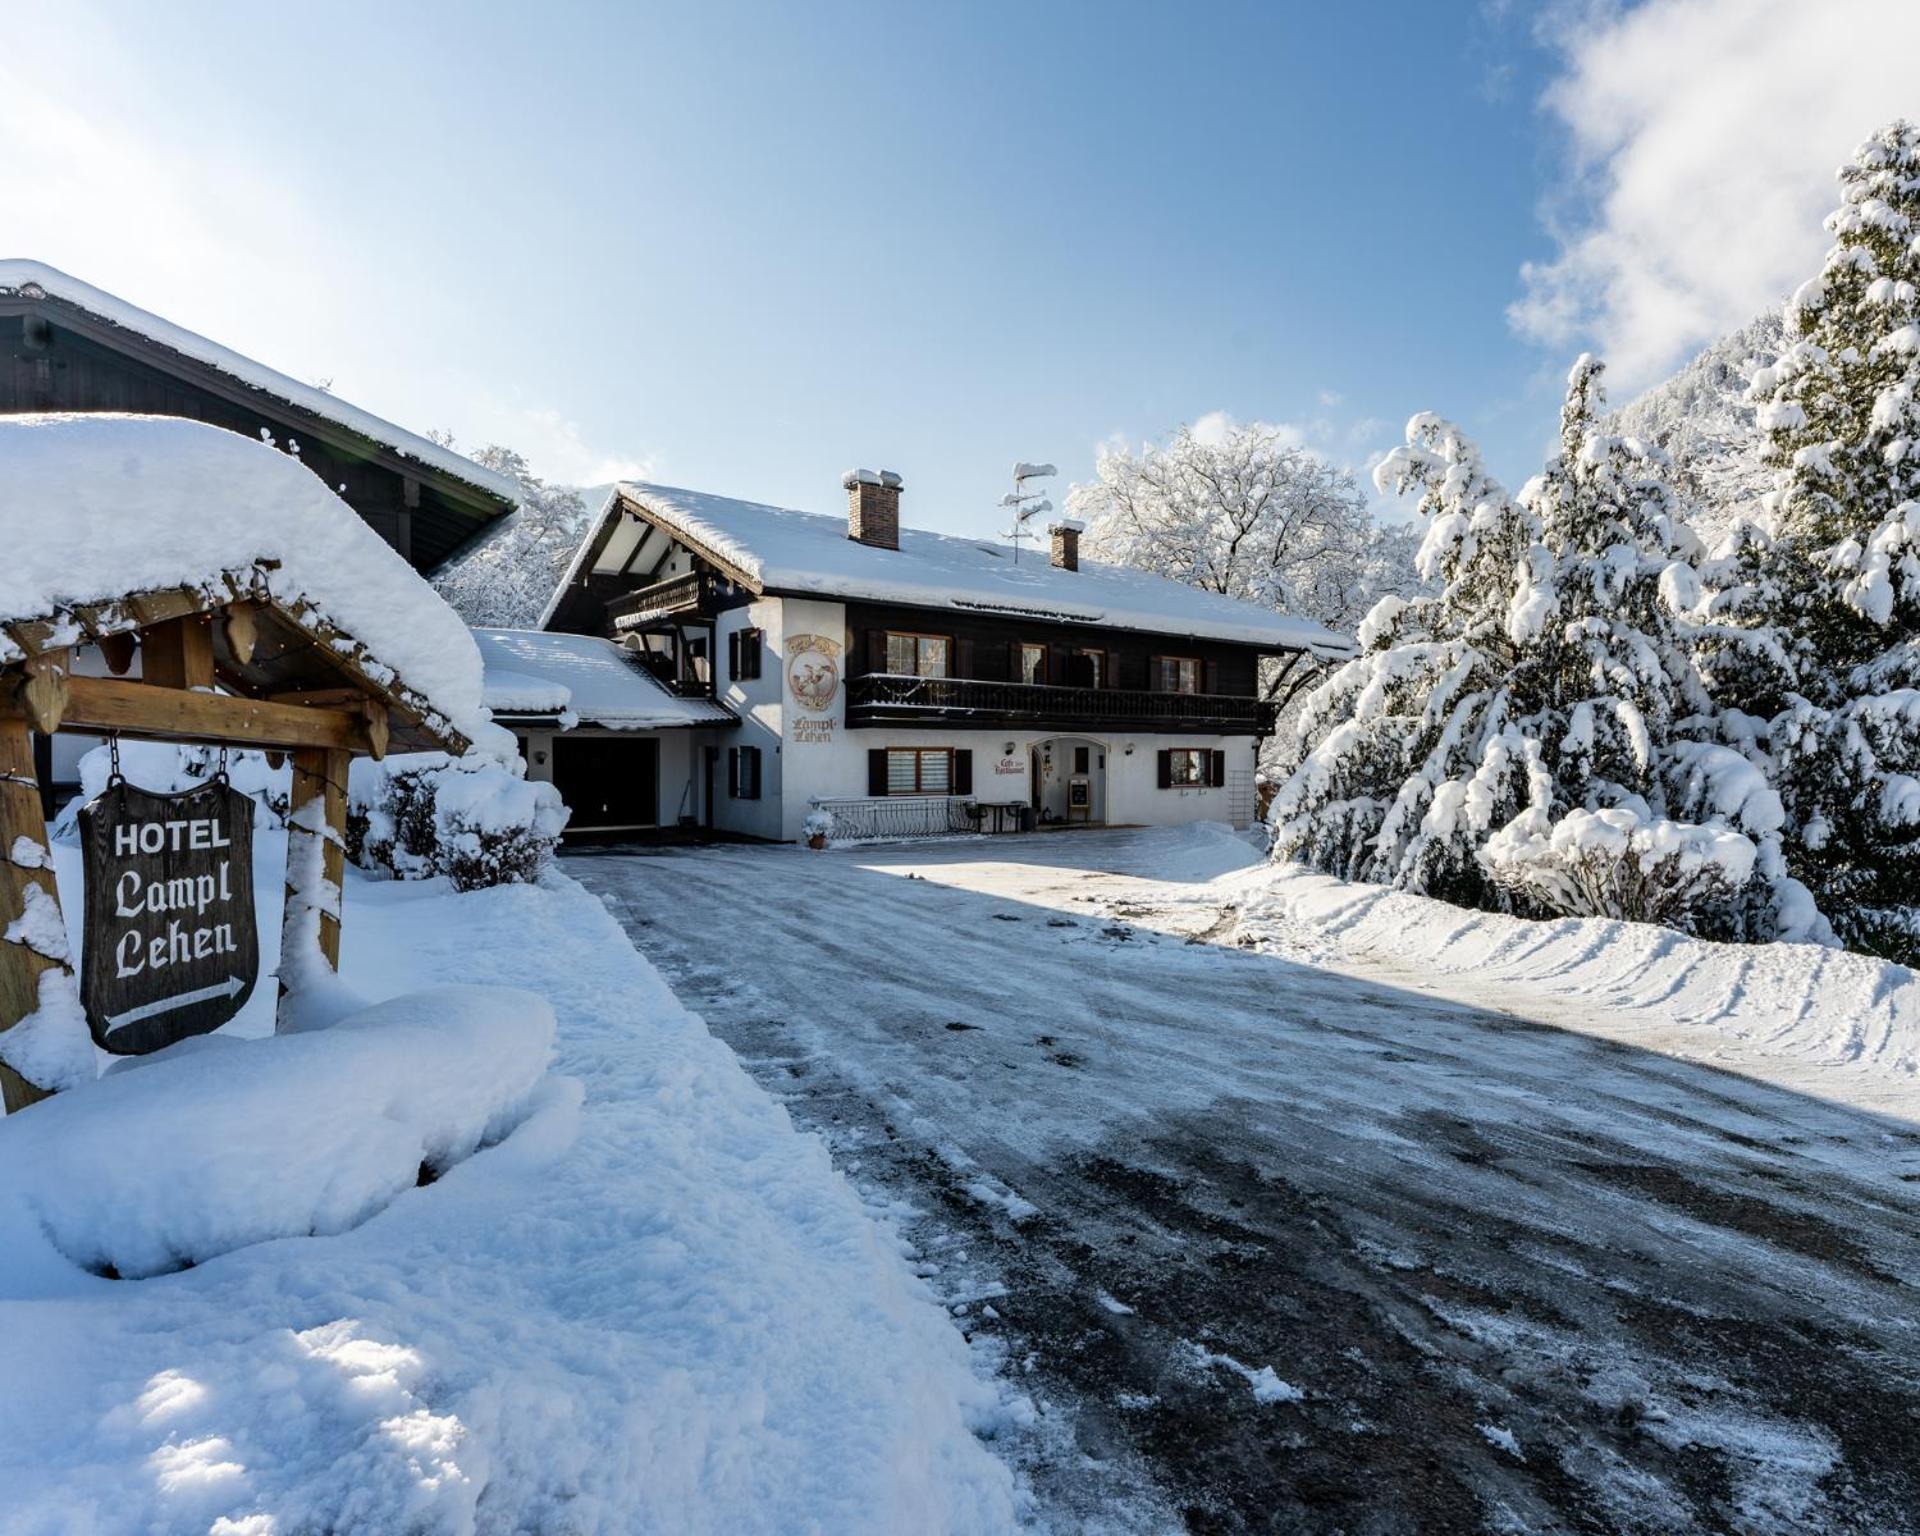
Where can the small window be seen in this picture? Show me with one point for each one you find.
(919, 771)
(1033, 663)
(1186, 768)
(917, 655)
(743, 772)
(1081, 755)
(1176, 674)
(743, 654)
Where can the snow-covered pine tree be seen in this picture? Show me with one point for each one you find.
(1840, 595)
(1534, 737)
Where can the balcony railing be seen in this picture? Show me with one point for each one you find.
(883, 698)
(677, 597)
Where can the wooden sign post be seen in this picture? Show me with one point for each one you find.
(171, 948)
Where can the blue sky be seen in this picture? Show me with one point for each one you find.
(744, 247)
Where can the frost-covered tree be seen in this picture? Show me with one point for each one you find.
(506, 579)
(1247, 512)
(1835, 605)
(1536, 735)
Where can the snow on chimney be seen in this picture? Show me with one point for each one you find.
(1066, 545)
(873, 507)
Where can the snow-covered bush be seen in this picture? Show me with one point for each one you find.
(819, 823)
(1536, 735)
(473, 819)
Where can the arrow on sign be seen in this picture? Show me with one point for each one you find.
(231, 987)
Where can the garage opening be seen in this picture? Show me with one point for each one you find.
(610, 785)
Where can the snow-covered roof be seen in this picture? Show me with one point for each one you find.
(533, 672)
(23, 277)
(94, 508)
(777, 549)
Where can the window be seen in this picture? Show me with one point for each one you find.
(1090, 669)
(919, 770)
(1081, 755)
(917, 655)
(743, 772)
(1192, 768)
(743, 654)
(1176, 674)
(1033, 663)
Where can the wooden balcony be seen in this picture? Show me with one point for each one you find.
(958, 703)
(672, 601)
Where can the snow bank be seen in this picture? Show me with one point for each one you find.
(95, 507)
(172, 1159)
(1798, 1002)
(652, 1307)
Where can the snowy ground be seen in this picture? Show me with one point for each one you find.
(1285, 1235)
(647, 1305)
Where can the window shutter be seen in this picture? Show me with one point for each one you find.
(1217, 777)
(752, 643)
(963, 771)
(1016, 662)
(877, 771)
(962, 657)
(733, 655)
(876, 650)
(1165, 756)
(753, 772)
(1210, 676)
(733, 772)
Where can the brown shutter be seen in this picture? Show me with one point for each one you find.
(1217, 774)
(733, 656)
(1166, 767)
(753, 773)
(877, 771)
(963, 656)
(1210, 676)
(876, 650)
(963, 771)
(1016, 663)
(733, 772)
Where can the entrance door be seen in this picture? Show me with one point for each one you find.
(608, 784)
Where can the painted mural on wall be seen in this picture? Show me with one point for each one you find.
(813, 671)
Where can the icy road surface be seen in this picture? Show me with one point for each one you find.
(1275, 1243)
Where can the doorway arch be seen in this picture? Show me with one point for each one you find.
(1057, 766)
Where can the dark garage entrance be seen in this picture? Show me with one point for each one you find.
(610, 784)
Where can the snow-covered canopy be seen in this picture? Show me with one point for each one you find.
(776, 549)
(20, 276)
(95, 508)
(532, 672)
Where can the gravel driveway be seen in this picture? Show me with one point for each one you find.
(1278, 1246)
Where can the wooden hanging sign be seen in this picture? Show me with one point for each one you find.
(172, 948)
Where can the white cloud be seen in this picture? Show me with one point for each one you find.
(1703, 137)
(553, 445)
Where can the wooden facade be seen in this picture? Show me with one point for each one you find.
(56, 356)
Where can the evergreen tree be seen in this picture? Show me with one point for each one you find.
(1838, 601)
(1536, 736)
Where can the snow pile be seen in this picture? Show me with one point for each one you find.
(582, 678)
(653, 1307)
(172, 1159)
(1799, 1002)
(95, 507)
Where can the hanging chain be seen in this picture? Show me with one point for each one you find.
(114, 775)
(220, 772)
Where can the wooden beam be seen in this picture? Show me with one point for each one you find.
(171, 714)
(316, 868)
(118, 651)
(243, 630)
(178, 653)
(23, 830)
(43, 696)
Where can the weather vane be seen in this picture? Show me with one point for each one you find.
(1025, 504)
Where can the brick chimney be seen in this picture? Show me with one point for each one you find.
(1066, 545)
(873, 507)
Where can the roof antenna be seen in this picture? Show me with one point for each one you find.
(1026, 505)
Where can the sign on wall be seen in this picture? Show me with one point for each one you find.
(171, 947)
(813, 671)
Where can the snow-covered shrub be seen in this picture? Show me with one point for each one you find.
(819, 823)
(473, 819)
(1620, 863)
